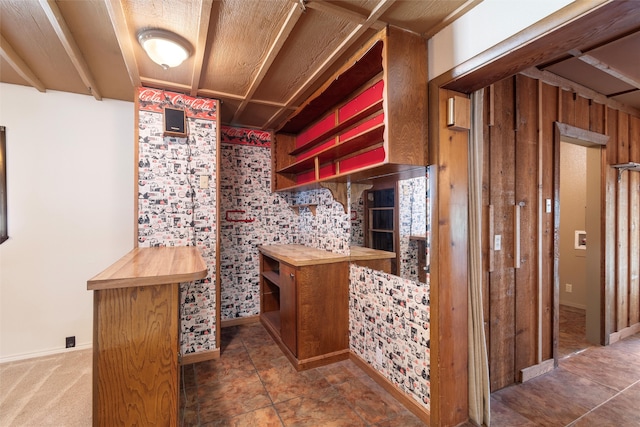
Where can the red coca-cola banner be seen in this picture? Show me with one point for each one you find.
(156, 99)
(242, 136)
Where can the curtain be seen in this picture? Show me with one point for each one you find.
(479, 389)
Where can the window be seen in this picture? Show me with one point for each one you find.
(3, 186)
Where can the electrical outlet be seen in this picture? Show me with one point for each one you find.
(497, 242)
(70, 342)
(379, 356)
(568, 287)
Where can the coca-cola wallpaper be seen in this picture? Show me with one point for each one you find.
(389, 316)
(173, 209)
(389, 326)
(252, 215)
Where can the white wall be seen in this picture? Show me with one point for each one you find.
(488, 24)
(70, 210)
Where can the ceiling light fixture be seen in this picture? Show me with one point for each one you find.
(165, 48)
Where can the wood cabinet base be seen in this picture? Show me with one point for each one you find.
(309, 363)
(135, 358)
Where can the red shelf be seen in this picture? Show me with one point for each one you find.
(327, 133)
(356, 143)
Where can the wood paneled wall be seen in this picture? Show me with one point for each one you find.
(519, 117)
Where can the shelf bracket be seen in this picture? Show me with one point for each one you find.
(338, 191)
(311, 206)
(630, 166)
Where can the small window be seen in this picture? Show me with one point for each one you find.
(3, 186)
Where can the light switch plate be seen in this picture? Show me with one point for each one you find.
(497, 242)
(204, 181)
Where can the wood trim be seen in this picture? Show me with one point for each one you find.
(563, 131)
(201, 44)
(624, 333)
(541, 42)
(121, 29)
(580, 136)
(556, 240)
(249, 320)
(448, 151)
(18, 65)
(534, 371)
(403, 398)
(290, 22)
(136, 161)
(59, 25)
(202, 356)
(218, 236)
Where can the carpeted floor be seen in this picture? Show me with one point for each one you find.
(47, 391)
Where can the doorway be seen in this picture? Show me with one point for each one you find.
(578, 244)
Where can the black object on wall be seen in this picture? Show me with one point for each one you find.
(175, 122)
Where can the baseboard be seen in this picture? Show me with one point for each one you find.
(573, 305)
(531, 372)
(623, 333)
(202, 356)
(409, 403)
(44, 353)
(239, 321)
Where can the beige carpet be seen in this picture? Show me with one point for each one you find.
(47, 391)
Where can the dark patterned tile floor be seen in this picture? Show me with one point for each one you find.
(599, 386)
(572, 331)
(253, 384)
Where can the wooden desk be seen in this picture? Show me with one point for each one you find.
(136, 335)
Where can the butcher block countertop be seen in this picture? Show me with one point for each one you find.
(152, 266)
(300, 255)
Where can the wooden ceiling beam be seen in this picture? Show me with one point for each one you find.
(605, 68)
(341, 12)
(124, 37)
(201, 44)
(61, 29)
(20, 67)
(377, 11)
(290, 22)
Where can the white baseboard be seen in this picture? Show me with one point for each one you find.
(43, 353)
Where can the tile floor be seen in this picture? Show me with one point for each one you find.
(593, 385)
(253, 384)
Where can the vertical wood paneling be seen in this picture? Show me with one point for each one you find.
(510, 160)
(634, 223)
(568, 108)
(597, 118)
(582, 113)
(486, 236)
(609, 216)
(449, 184)
(502, 286)
(526, 176)
(549, 115)
(622, 227)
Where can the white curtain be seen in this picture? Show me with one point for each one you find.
(479, 389)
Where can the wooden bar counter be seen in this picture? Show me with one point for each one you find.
(304, 300)
(136, 335)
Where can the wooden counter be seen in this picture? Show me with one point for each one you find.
(300, 255)
(372, 258)
(135, 335)
(304, 300)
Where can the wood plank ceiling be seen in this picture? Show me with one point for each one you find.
(261, 58)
